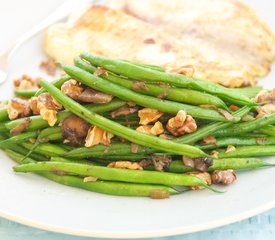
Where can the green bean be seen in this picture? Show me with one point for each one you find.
(123, 93)
(245, 127)
(58, 83)
(119, 130)
(115, 174)
(140, 73)
(27, 93)
(223, 164)
(239, 141)
(2, 128)
(250, 92)
(101, 151)
(47, 149)
(61, 159)
(268, 130)
(52, 133)
(129, 157)
(17, 139)
(21, 150)
(249, 151)
(209, 129)
(174, 94)
(111, 188)
(4, 115)
(37, 122)
(150, 66)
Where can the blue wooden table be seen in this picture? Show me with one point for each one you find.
(256, 228)
(261, 227)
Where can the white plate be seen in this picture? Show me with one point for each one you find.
(34, 201)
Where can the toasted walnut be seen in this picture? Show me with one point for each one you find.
(134, 148)
(204, 176)
(148, 115)
(124, 111)
(46, 106)
(265, 109)
(139, 85)
(100, 71)
(33, 105)
(49, 66)
(214, 154)
(265, 96)
(247, 118)
(18, 108)
(166, 136)
(234, 108)
(187, 70)
(96, 136)
(230, 148)
(72, 89)
(159, 194)
(21, 127)
(125, 165)
(157, 129)
(152, 130)
(201, 164)
(92, 96)
(74, 130)
(26, 82)
(162, 162)
(223, 177)
(49, 102)
(209, 140)
(181, 124)
(90, 179)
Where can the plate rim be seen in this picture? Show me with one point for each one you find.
(138, 235)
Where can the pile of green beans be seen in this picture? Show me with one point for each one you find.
(131, 164)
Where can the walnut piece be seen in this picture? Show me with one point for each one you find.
(166, 136)
(265, 96)
(181, 124)
(18, 108)
(72, 89)
(90, 179)
(202, 164)
(46, 106)
(265, 109)
(209, 140)
(49, 66)
(230, 148)
(162, 162)
(214, 154)
(204, 176)
(152, 130)
(223, 177)
(187, 70)
(92, 96)
(124, 111)
(148, 115)
(96, 136)
(21, 127)
(26, 82)
(139, 85)
(125, 165)
(233, 108)
(101, 71)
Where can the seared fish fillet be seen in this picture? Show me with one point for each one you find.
(112, 33)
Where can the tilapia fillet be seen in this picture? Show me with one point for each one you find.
(112, 33)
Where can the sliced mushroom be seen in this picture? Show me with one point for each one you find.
(74, 129)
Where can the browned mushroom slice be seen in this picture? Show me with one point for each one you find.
(74, 129)
(92, 96)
